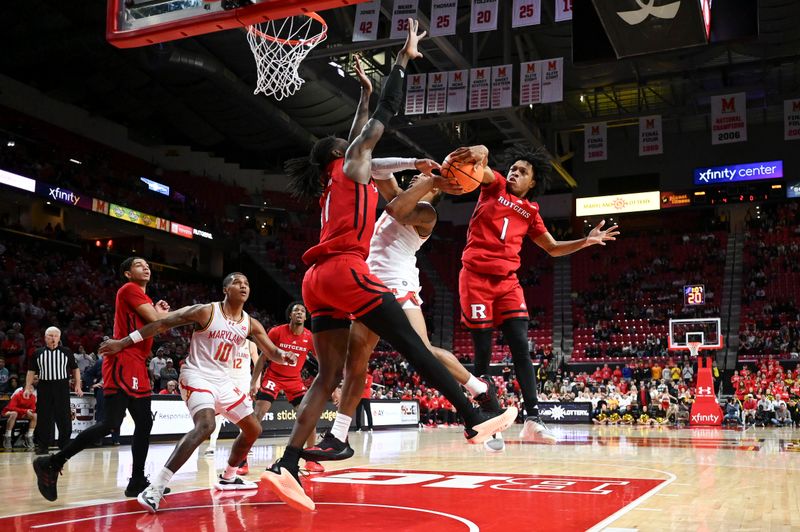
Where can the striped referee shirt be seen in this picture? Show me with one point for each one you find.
(53, 364)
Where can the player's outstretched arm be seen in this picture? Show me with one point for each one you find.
(478, 155)
(407, 209)
(559, 248)
(268, 348)
(199, 314)
(362, 112)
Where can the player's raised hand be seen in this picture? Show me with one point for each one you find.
(598, 235)
(412, 40)
(426, 166)
(471, 154)
(448, 186)
(162, 307)
(366, 84)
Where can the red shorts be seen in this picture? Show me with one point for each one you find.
(271, 386)
(488, 300)
(125, 373)
(340, 288)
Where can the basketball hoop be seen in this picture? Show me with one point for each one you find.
(694, 348)
(279, 46)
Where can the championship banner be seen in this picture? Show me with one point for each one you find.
(564, 10)
(483, 16)
(561, 412)
(650, 136)
(530, 83)
(415, 94)
(526, 13)
(403, 10)
(437, 92)
(791, 119)
(479, 88)
(595, 139)
(366, 22)
(444, 14)
(457, 91)
(501, 86)
(729, 118)
(552, 80)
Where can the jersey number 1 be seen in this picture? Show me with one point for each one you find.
(223, 352)
(505, 228)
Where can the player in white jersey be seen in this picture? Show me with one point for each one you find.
(240, 372)
(221, 330)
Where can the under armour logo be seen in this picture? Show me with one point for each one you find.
(703, 390)
(646, 9)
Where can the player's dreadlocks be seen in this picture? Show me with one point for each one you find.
(305, 172)
(538, 159)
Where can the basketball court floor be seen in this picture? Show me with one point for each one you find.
(596, 478)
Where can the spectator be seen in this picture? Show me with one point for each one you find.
(158, 363)
(83, 359)
(4, 376)
(782, 416)
(20, 407)
(732, 413)
(170, 389)
(169, 373)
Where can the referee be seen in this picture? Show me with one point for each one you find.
(53, 364)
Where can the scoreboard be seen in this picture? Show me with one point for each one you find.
(694, 294)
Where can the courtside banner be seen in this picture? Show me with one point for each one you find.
(619, 203)
(444, 14)
(501, 86)
(387, 413)
(415, 94)
(712, 175)
(479, 88)
(530, 83)
(552, 80)
(403, 10)
(437, 92)
(281, 417)
(366, 22)
(650, 137)
(595, 139)
(563, 412)
(526, 13)
(791, 119)
(457, 91)
(63, 195)
(729, 118)
(563, 10)
(483, 16)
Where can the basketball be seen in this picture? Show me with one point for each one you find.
(468, 175)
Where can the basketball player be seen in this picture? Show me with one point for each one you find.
(126, 385)
(491, 295)
(339, 284)
(220, 330)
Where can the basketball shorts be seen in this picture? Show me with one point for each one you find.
(487, 300)
(271, 386)
(126, 373)
(222, 396)
(338, 289)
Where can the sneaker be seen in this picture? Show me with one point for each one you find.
(495, 444)
(28, 442)
(328, 448)
(491, 425)
(150, 498)
(314, 467)
(7, 443)
(536, 431)
(236, 483)
(136, 485)
(243, 469)
(209, 452)
(284, 481)
(47, 477)
(487, 401)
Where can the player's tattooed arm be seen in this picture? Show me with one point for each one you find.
(362, 113)
(199, 314)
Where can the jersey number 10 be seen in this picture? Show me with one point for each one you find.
(223, 353)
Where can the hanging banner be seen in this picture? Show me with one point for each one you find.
(484, 16)
(650, 137)
(552, 80)
(729, 118)
(444, 14)
(564, 10)
(415, 94)
(437, 92)
(501, 86)
(403, 10)
(526, 13)
(457, 91)
(366, 24)
(595, 146)
(791, 119)
(479, 88)
(530, 83)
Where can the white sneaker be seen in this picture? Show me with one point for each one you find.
(150, 498)
(495, 444)
(536, 431)
(236, 483)
(209, 452)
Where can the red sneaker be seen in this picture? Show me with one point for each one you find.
(243, 470)
(314, 467)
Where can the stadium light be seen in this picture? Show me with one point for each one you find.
(76, 161)
(11, 143)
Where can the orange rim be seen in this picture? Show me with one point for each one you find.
(295, 42)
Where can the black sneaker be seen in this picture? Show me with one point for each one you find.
(328, 448)
(47, 477)
(488, 399)
(136, 485)
(490, 424)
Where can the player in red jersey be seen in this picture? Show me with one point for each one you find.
(339, 284)
(491, 295)
(126, 384)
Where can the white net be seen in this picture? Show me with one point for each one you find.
(279, 46)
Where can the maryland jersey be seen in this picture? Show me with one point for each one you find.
(283, 337)
(392, 254)
(239, 369)
(498, 225)
(213, 349)
(348, 216)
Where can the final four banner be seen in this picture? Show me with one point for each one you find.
(444, 14)
(791, 119)
(650, 137)
(729, 118)
(437, 92)
(501, 86)
(403, 10)
(564, 10)
(483, 16)
(366, 22)
(479, 88)
(526, 13)
(415, 94)
(457, 91)
(595, 146)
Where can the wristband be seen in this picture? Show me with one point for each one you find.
(136, 337)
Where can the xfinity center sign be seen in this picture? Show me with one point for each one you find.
(713, 175)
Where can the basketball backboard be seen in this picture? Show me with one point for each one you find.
(707, 332)
(132, 23)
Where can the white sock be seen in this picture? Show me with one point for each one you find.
(162, 478)
(341, 425)
(8, 434)
(475, 386)
(30, 434)
(230, 472)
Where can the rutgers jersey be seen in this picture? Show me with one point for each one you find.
(348, 216)
(498, 225)
(213, 349)
(126, 370)
(393, 254)
(283, 337)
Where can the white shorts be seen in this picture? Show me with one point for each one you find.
(223, 396)
(406, 298)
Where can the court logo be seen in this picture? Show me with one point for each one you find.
(646, 8)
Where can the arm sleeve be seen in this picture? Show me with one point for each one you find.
(537, 227)
(384, 168)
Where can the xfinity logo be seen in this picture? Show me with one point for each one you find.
(738, 172)
(67, 196)
(638, 16)
(701, 418)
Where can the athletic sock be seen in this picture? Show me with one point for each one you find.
(29, 434)
(475, 386)
(162, 478)
(230, 472)
(8, 434)
(291, 456)
(341, 426)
